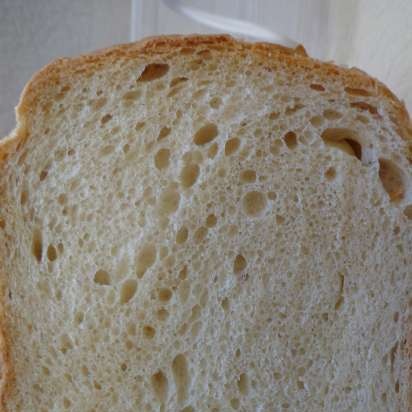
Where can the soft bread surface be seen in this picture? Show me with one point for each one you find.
(203, 224)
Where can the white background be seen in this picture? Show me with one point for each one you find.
(374, 35)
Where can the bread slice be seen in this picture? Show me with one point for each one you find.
(204, 224)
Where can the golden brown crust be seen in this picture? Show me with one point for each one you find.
(353, 81)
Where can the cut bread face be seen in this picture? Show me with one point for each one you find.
(203, 224)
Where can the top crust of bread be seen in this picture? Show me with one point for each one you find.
(268, 55)
(63, 69)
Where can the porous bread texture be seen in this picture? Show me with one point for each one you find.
(202, 224)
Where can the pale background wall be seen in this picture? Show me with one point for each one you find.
(375, 35)
(34, 32)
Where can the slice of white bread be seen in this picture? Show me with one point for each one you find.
(203, 224)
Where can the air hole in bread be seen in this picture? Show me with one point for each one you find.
(408, 212)
(129, 97)
(215, 102)
(24, 197)
(145, 259)
(106, 118)
(169, 262)
(290, 140)
(162, 314)
(392, 180)
(272, 195)
(184, 290)
(198, 94)
(195, 64)
(153, 71)
(128, 290)
(221, 172)
(101, 277)
(275, 147)
(65, 344)
(161, 159)
(43, 175)
(183, 329)
(66, 403)
(300, 385)
(106, 150)
(62, 199)
(363, 119)
(343, 139)
(126, 148)
(243, 384)
(97, 104)
(175, 90)
(131, 329)
(205, 134)
(331, 114)
(254, 203)
(356, 92)
(225, 304)
(165, 294)
(200, 234)
(178, 80)
(316, 121)
(160, 386)
(189, 175)
(317, 87)
(340, 299)
(365, 107)
(239, 264)
(248, 176)
(51, 253)
(164, 132)
(123, 267)
(181, 377)
(78, 318)
(149, 331)
(111, 298)
(213, 149)
(181, 235)
(330, 173)
(168, 202)
(294, 109)
(232, 230)
(196, 311)
(37, 245)
(194, 156)
(279, 219)
(211, 220)
(211, 67)
(139, 126)
(231, 146)
(183, 273)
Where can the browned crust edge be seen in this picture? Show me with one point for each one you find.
(295, 59)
